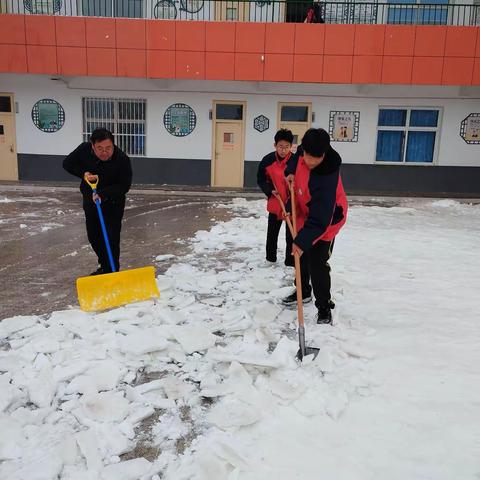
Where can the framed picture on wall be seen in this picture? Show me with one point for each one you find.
(470, 129)
(344, 126)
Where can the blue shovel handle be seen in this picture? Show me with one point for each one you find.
(104, 231)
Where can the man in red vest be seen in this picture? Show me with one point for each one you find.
(321, 207)
(271, 179)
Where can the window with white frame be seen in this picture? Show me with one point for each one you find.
(407, 135)
(124, 117)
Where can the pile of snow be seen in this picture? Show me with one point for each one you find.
(208, 376)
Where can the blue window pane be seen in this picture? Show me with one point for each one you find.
(392, 118)
(432, 14)
(401, 15)
(429, 14)
(424, 118)
(420, 147)
(390, 146)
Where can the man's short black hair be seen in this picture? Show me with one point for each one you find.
(101, 134)
(283, 134)
(316, 142)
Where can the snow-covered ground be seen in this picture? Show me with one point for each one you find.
(204, 384)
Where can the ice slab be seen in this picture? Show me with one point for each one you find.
(144, 341)
(193, 338)
(128, 470)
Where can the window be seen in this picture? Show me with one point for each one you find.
(351, 12)
(5, 104)
(422, 12)
(228, 111)
(113, 8)
(125, 118)
(231, 14)
(294, 113)
(407, 135)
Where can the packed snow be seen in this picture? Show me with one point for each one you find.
(203, 383)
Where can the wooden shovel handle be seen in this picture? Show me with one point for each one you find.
(298, 275)
(293, 231)
(284, 210)
(286, 215)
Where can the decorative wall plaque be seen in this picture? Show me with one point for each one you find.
(48, 115)
(344, 126)
(179, 120)
(261, 123)
(470, 129)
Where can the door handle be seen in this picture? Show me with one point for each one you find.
(12, 150)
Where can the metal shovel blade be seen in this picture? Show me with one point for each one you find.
(308, 351)
(304, 350)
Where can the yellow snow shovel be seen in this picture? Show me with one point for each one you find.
(99, 292)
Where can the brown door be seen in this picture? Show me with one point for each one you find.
(228, 154)
(228, 143)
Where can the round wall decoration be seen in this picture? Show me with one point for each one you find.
(179, 120)
(48, 115)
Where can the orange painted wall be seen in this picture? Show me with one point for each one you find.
(375, 54)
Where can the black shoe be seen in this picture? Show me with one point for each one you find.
(324, 315)
(292, 299)
(98, 271)
(289, 261)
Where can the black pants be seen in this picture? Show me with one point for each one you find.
(315, 268)
(112, 214)
(272, 240)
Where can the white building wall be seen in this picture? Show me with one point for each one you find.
(261, 98)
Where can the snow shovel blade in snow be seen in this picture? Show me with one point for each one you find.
(99, 292)
(303, 351)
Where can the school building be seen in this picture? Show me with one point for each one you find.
(194, 90)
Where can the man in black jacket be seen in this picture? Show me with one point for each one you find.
(100, 157)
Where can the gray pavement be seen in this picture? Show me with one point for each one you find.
(44, 246)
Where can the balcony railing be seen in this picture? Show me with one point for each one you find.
(347, 12)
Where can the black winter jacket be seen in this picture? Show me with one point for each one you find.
(115, 174)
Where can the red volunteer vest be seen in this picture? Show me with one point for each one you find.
(276, 174)
(303, 197)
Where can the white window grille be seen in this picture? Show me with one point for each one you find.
(124, 117)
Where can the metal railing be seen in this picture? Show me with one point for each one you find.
(294, 11)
